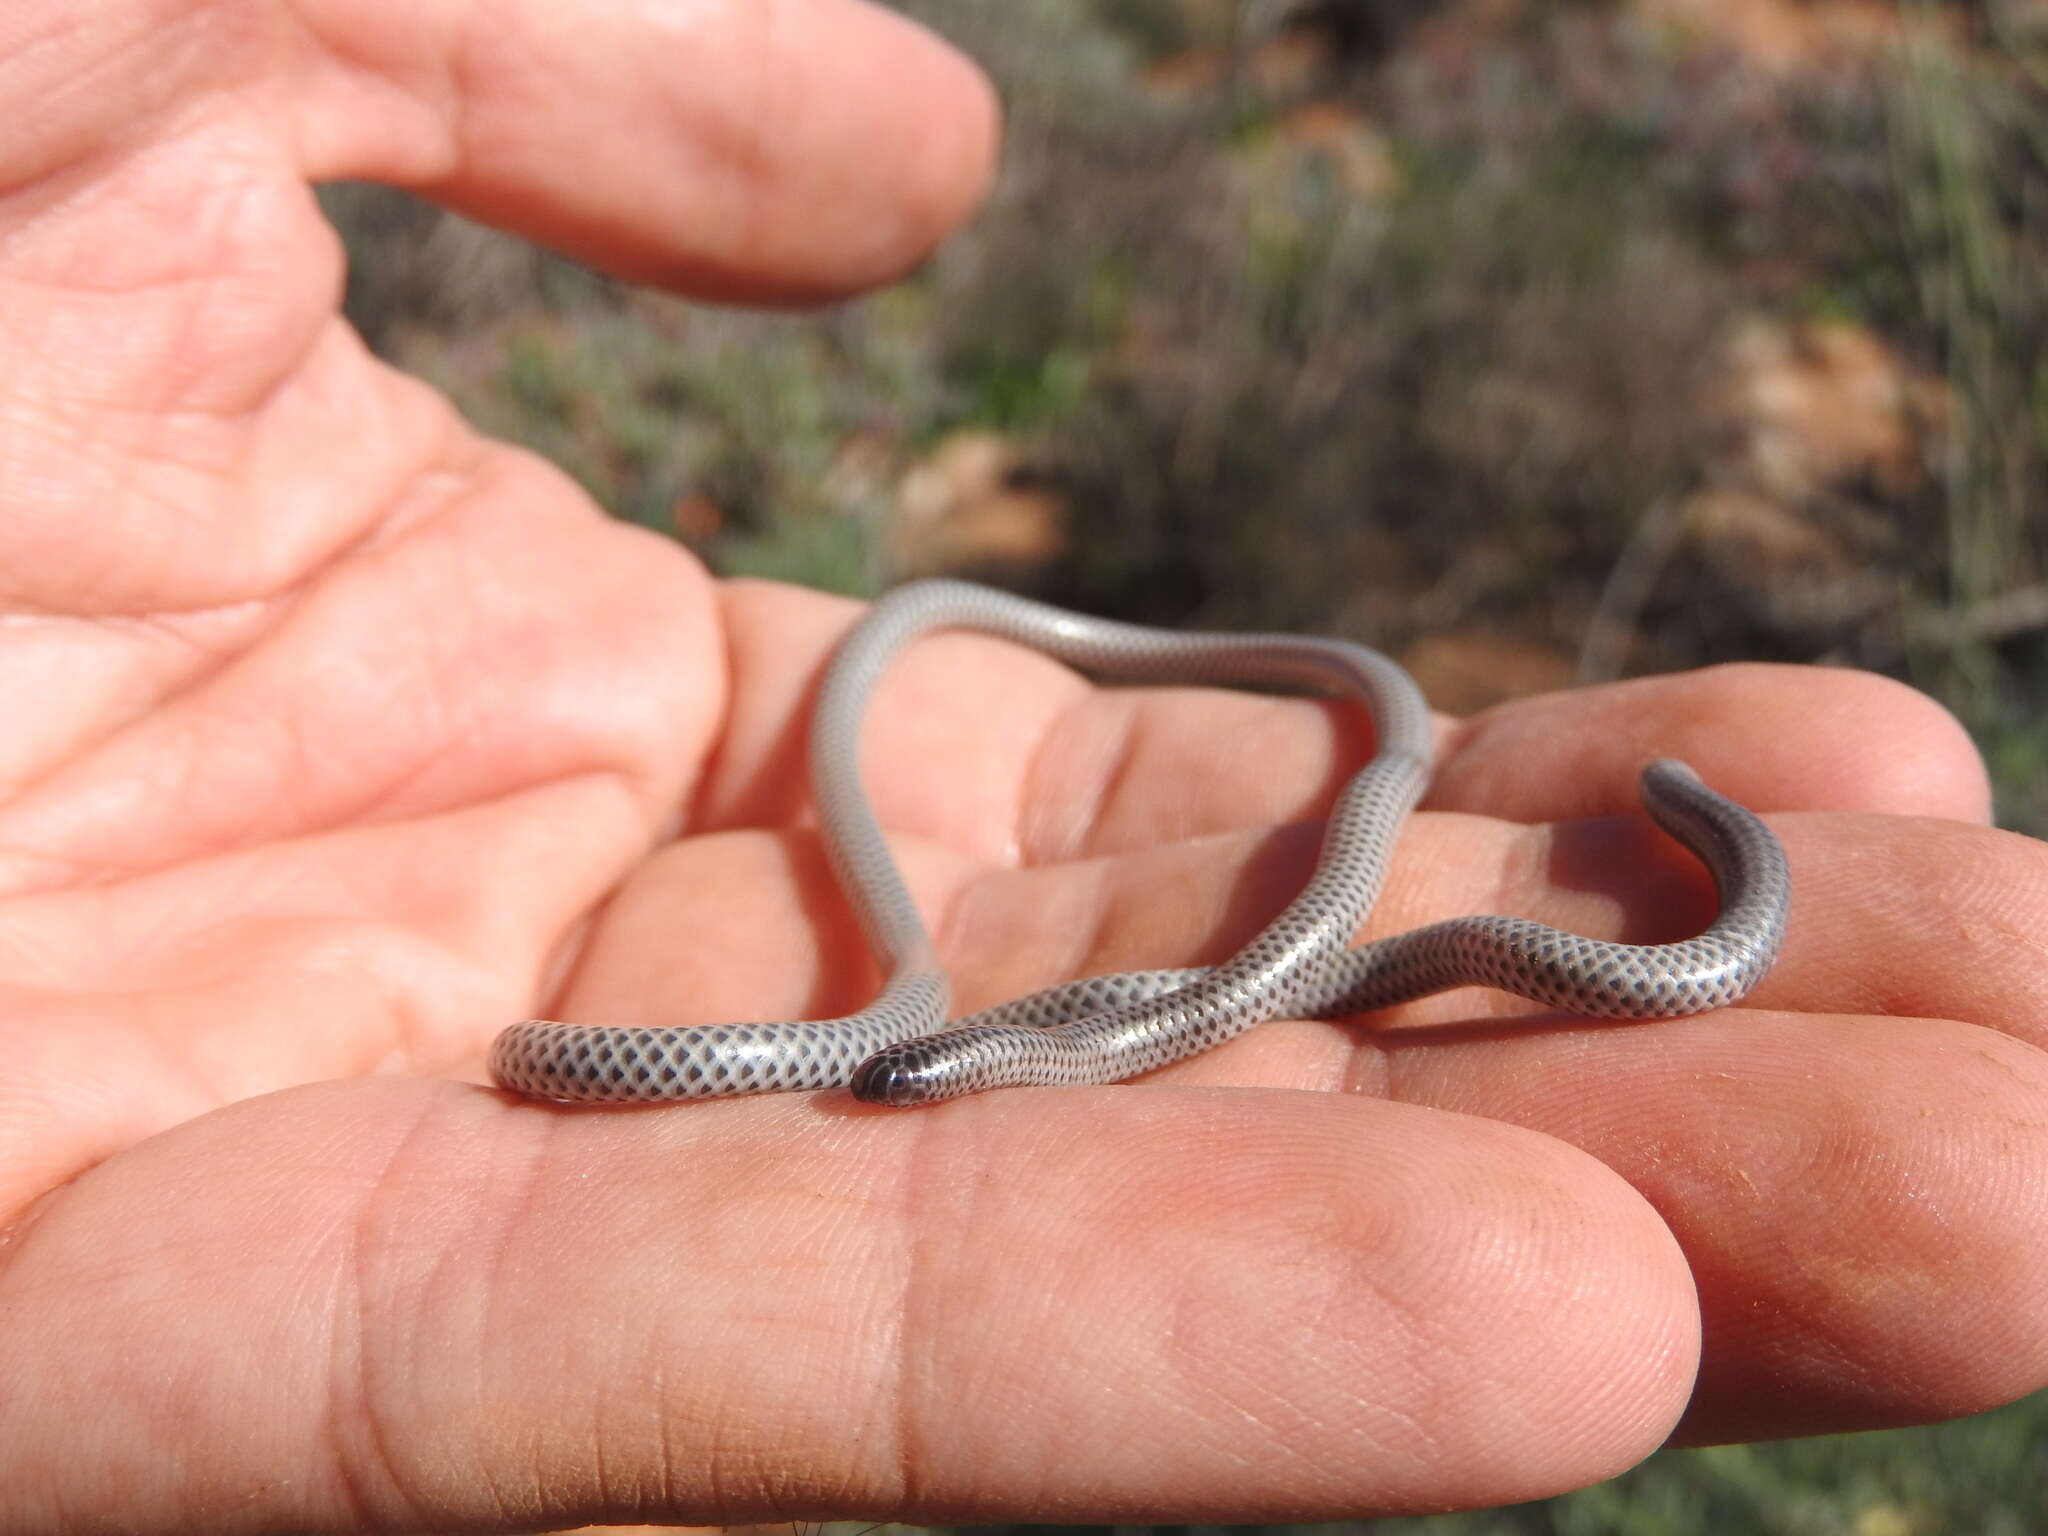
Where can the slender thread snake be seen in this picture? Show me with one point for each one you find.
(901, 1050)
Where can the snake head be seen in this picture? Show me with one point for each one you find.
(932, 1067)
(900, 1074)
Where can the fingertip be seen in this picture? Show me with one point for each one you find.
(1867, 742)
(1400, 1308)
(1770, 736)
(860, 176)
(1888, 1271)
(956, 169)
(762, 154)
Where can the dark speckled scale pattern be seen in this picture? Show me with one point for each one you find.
(897, 1050)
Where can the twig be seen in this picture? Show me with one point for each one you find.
(1612, 624)
(1985, 622)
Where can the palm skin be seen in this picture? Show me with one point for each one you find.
(337, 738)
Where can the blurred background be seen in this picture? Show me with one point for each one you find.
(1535, 341)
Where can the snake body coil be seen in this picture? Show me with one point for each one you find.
(899, 1050)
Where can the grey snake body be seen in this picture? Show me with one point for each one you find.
(901, 1050)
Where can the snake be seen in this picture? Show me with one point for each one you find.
(903, 1048)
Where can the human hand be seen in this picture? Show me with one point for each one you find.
(331, 726)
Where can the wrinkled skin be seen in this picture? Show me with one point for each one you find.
(337, 737)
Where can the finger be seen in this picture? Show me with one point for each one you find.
(1193, 762)
(1771, 737)
(459, 1312)
(770, 153)
(1007, 756)
(1862, 1200)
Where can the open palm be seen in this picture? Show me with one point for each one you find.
(337, 738)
